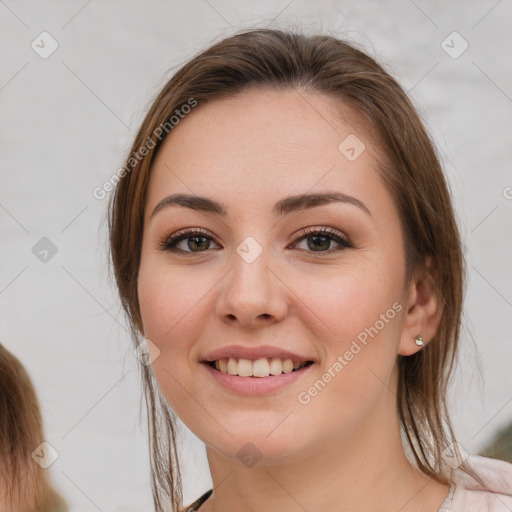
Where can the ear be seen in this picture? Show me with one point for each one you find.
(422, 311)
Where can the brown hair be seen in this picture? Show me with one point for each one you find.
(24, 485)
(409, 167)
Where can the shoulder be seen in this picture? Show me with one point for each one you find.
(496, 493)
(467, 500)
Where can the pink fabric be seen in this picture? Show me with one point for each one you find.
(496, 496)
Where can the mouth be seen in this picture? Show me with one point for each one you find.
(259, 368)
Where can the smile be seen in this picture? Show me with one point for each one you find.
(263, 367)
(264, 382)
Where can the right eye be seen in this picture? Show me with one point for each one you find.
(195, 238)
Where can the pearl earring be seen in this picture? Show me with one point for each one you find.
(419, 341)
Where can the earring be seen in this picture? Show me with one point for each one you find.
(419, 341)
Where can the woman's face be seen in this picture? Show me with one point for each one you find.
(251, 278)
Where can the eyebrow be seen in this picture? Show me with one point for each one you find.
(282, 207)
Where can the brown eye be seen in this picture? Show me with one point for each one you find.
(319, 240)
(194, 241)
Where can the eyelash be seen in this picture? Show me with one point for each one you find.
(169, 243)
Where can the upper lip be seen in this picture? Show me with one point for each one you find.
(261, 351)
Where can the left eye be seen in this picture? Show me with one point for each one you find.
(199, 241)
(322, 237)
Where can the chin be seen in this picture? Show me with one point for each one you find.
(258, 448)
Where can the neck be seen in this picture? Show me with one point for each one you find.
(365, 469)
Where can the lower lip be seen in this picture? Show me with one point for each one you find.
(256, 385)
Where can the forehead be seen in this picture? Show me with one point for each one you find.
(262, 144)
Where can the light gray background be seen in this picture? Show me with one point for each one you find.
(67, 122)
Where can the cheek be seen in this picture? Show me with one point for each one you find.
(174, 304)
(165, 295)
(357, 315)
(171, 302)
(349, 301)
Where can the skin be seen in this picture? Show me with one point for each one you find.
(342, 450)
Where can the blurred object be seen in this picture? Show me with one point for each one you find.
(501, 446)
(24, 454)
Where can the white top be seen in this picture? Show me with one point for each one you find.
(467, 495)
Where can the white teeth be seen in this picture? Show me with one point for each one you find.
(244, 368)
(276, 367)
(288, 366)
(262, 367)
(232, 366)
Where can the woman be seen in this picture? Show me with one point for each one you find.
(24, 484)
(290, 255)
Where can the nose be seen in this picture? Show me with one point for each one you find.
(252, 293)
